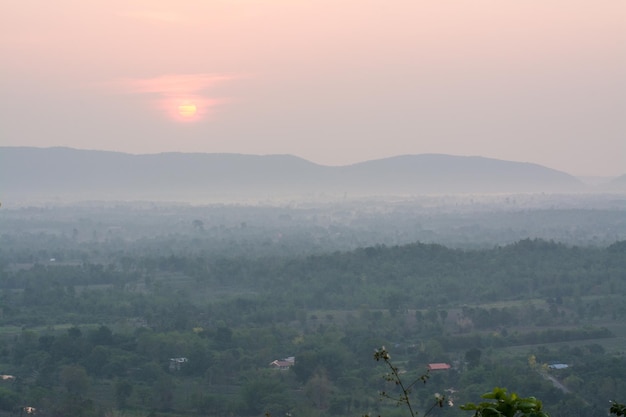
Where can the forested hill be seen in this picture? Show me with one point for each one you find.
(63, 174)
(408, 276)
(399, 277)
(83, 335)
(617, 184)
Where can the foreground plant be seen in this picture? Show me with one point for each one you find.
(506, 405)
(403, 398)
(618, 409)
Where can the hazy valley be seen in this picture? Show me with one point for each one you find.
(294, 208)
(113, 302)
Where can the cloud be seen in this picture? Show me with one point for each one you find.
(173, 84)
(170, 92)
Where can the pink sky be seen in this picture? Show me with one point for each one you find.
(335, 82)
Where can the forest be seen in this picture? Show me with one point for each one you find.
(174, 310)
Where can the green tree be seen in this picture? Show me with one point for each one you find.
(75, 380)
(618, 409)
(506, 405)
(163, 389)
(319, 389)
(260, 392)
(102, 336)
(472, 357)
(8, 399)
(123, 391)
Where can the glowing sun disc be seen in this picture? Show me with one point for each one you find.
(187, 110)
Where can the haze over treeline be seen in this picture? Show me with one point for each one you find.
(174, 309)
(223, 208)
(123, 291)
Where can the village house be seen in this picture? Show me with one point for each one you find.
(283, 364)
(440, 366)
(177, 363)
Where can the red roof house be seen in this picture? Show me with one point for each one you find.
(438, 366)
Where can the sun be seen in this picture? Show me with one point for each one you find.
(187, 110)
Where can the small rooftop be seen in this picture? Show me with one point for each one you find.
(438, 366)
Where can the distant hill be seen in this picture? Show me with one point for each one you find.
(67, 175)
(617, 184)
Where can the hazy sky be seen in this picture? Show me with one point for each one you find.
(332, 81)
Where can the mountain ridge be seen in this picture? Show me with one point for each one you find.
(67, 173)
